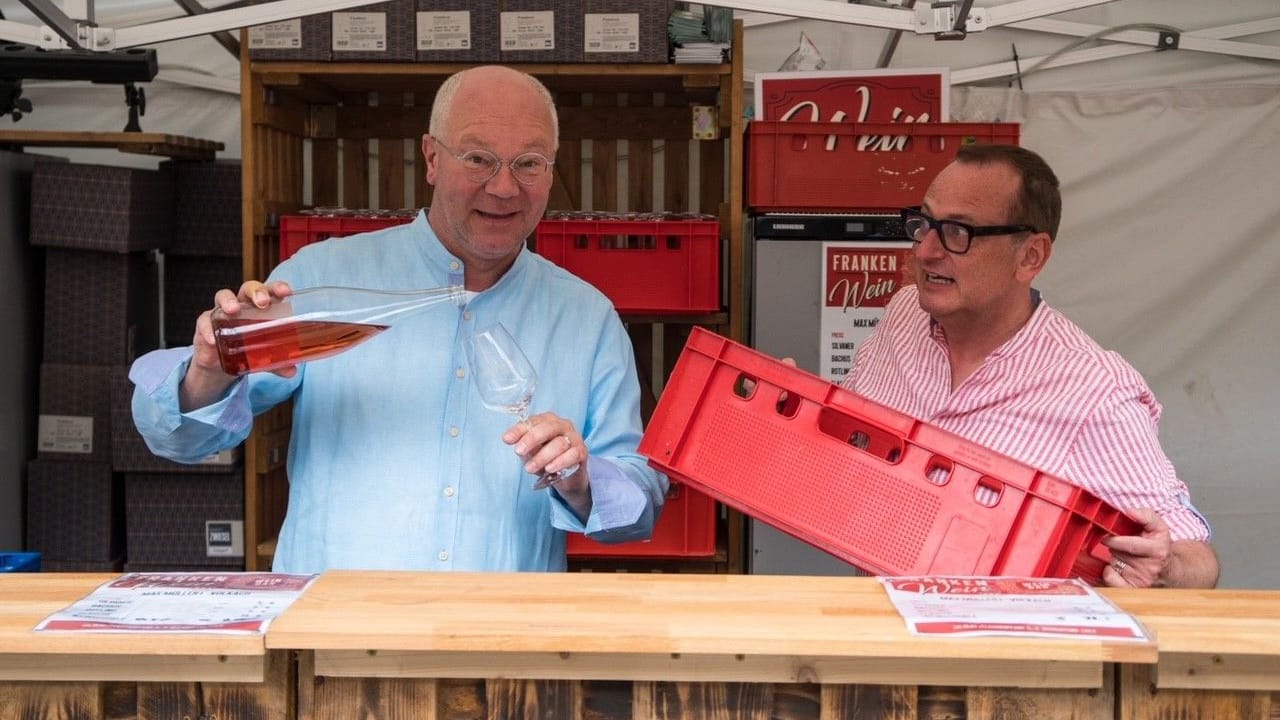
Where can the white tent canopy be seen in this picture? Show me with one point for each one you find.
(1170, 247)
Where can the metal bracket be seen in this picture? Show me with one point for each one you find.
(96, 38)
(1169, 41)
(949, 20)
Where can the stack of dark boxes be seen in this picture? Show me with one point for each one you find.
(97, 496)
(180, 516)
(100, 227)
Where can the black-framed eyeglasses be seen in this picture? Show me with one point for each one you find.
(956, 236)
(480, 166)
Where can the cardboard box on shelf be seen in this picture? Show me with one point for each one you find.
(457, 31)
(101, 207)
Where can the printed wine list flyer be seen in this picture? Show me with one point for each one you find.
(223, 603)
(1010, 606)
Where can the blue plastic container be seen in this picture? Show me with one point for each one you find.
(19, 562)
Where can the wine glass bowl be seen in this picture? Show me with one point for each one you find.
(503, 375)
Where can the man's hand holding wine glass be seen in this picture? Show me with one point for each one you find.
(554, 451)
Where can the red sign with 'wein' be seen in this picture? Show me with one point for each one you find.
(874, 96)
(864, 277)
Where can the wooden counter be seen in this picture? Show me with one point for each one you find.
(682, 645)
(605, 646)
(99, 675)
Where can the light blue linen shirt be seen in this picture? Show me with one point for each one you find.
(394, 462)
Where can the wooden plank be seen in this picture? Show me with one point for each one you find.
(533, 699)
(70, 666)
(1219, 671)
(869, 702)
(705, 667)
(324, 173)
(1142, 699)
(566, 191)
(710, 176)
(174, 146)
(346, 698)
(640, 184)
(49, 701)
(391, 156)
(361, 121)
(675, 173)
(643, 122)
(160, 701)
(421, 190)
(355, 163)
(662, 701)
(987, 703)
(604, 163)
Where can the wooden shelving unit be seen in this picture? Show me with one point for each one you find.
(348, 134)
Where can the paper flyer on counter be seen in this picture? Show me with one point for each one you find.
(1011, 606)
(179, 602)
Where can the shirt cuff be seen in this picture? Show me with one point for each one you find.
(616, 501)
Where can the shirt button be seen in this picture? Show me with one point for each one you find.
(453, 432)
(460, 373)
(454, 265)
(443, 555)
(466, 315)
(448, 492)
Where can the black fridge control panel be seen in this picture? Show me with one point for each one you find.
(828, 227)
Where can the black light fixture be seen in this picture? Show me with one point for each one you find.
(20, 62)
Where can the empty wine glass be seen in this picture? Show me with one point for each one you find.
(506, 380)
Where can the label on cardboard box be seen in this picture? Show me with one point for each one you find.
(444, 30)
(65, 434)
(284, 35)
(222, 457)
(611, 33)
(529, 30)
(360, 31)
(224, 538)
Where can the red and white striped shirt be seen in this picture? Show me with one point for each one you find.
(1049, 397)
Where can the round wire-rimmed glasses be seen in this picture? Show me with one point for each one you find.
(481, 166)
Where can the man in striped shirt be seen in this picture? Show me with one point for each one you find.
(973, 349)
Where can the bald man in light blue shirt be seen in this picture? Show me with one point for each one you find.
(393, 460)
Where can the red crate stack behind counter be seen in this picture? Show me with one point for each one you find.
(838, 167)
(644, 263)
(685, 529)
(884, 491)
(298, 231)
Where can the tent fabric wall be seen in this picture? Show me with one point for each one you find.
(1169, 253)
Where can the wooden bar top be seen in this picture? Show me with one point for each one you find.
(1210, 639)
(28, 598)
(656, 626)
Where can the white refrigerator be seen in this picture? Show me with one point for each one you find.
(819, 283)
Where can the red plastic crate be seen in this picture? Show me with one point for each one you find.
(643, 266)
(818, 166)
(298, 231)
(884, 491)
(686, 528)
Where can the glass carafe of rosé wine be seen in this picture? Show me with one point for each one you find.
(315, 323)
